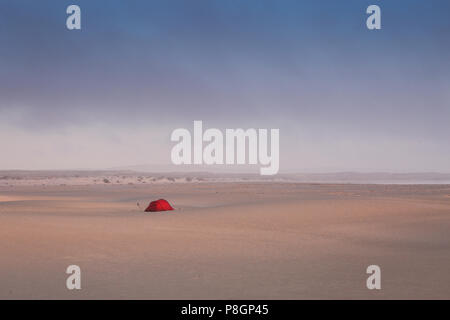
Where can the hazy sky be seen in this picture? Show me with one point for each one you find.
(343, 97)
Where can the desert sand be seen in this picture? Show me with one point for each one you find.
(225, 240)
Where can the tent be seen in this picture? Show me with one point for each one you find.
(159, 205)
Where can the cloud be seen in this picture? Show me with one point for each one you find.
(307, 69)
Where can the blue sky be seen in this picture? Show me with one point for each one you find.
(343, 97)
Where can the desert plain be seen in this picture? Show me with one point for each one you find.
(224, 240)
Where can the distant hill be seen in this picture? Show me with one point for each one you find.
(130, 176)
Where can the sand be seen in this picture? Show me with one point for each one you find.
(235, 240)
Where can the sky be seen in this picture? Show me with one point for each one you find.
(345, 98)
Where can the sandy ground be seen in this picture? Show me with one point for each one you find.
(225, 241)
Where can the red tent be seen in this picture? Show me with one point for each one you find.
(158, 205)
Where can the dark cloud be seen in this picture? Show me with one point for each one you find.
(284, 63)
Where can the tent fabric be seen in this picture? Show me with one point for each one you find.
(159, 205)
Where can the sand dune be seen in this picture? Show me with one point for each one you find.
(225, 241)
